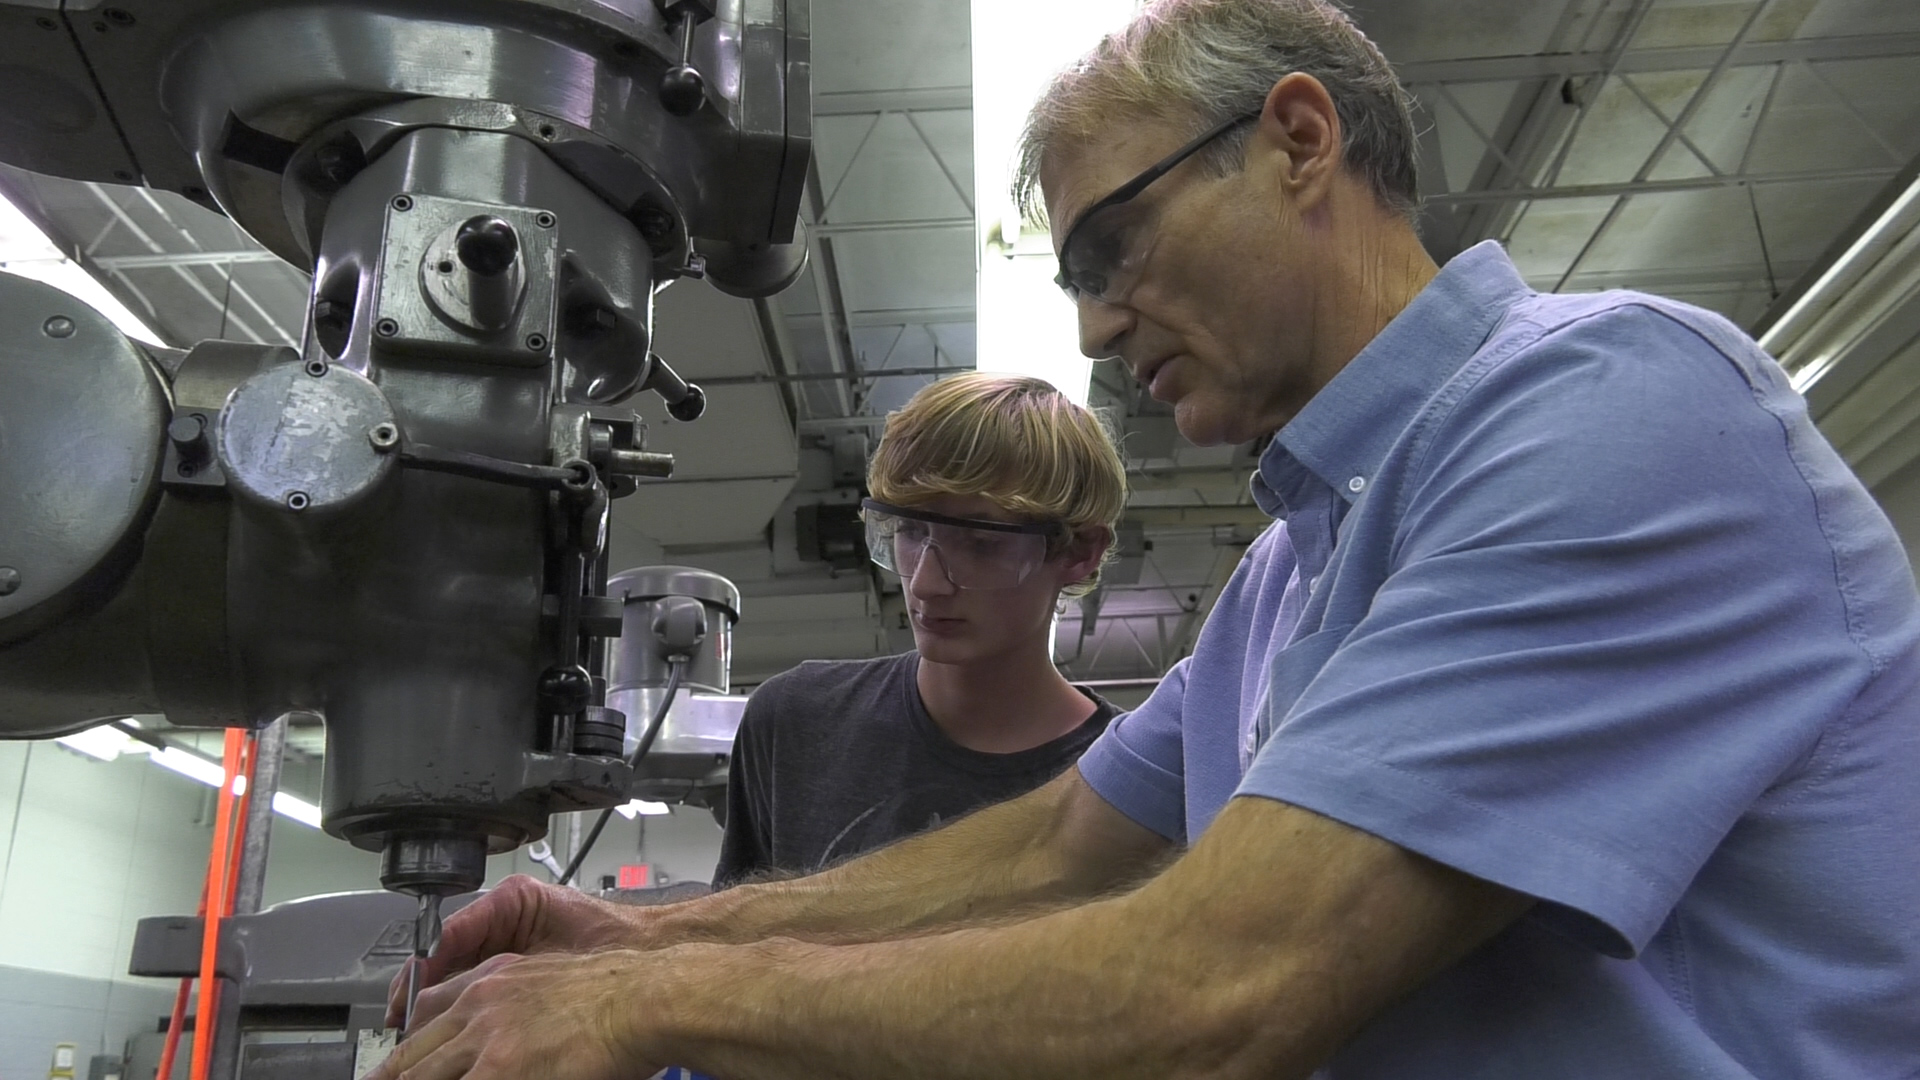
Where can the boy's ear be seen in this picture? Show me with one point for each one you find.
(1084, 552)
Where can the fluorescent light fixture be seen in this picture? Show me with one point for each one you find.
(107, 743)
(192, 766)
(298, 809)
(641, 806)
(26, 251)
(1848, 296)
(1023, 323)
(104, 743)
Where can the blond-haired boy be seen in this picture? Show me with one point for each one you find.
(993, 495)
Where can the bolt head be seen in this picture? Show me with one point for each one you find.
(186, 429)
(9, 580)
(58, 327)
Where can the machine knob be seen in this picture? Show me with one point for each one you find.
(690, 407)
(565, 691)
(682, 90)
(487, 246)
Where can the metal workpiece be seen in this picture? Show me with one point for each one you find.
(215, 98)
(399, 527)
(83, 416)
(435, 864)
(300, 437)
(687, 761)
(498, 308)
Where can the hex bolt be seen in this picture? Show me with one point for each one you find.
(386, 328)
(187, 430)
(58, 327)
(591, 320)
(403, 203)
(544, 220)
(384, 437)
(9, 580)
(297, 501)
(537, 342)
(330, 313)
(316, 368)
(655, 223)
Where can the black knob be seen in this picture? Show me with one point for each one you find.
(682, 90)
(565, 691)
(690, 407)
(487, 246)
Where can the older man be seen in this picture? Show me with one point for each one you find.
(1566, 725)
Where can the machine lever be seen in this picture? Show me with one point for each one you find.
(573, 477)
(683, 89)
(686, 402)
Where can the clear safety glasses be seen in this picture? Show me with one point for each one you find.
(1103, 252)
(975, 554)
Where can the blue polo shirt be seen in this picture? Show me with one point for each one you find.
(1568, 593)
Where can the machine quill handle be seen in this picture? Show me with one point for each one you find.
(685, 401)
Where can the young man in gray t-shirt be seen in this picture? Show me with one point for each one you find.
(993, 495)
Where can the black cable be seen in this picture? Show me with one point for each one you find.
(675, 667)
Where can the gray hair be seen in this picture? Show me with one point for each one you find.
(1201, 62)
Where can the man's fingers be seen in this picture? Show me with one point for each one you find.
(397, 994)
(502, 920)
(424, 1051)
(438, 999)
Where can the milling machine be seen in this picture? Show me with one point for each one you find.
(399, 527)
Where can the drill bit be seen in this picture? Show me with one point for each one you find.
(426, 935)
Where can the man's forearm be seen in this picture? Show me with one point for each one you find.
(1058, 843)
(1235, 963)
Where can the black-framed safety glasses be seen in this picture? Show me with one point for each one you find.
(974, 553)
(1099, 257)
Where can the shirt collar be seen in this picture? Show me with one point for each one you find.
(1343, 434)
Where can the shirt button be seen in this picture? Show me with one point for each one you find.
(1357, 484)
(1313, 582)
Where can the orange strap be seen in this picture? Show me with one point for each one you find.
(229, 833)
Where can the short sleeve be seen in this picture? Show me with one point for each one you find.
(745, 848)
(1136, 763)
(1609, 621)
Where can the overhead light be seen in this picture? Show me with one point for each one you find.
(298, 809)
(107, 743)
(104, 743)
(1874, 276)
(641, 806)
(1023, 324)
(26, 251)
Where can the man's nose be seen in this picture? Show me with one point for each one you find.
(1103, 327)
(930, 578)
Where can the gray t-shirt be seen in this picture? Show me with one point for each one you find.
(835, 758)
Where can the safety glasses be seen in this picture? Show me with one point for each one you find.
(975, 554)
(1103, 252)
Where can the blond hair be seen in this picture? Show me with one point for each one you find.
(1202, 62)
(1013, 439)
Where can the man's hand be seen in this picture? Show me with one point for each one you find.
(519, 917)
(558, 1016)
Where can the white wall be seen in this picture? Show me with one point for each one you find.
(88, 848)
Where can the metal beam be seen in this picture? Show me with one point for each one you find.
(832, 376)
(881, 317)
(1660, 187)
(843, 228)
(868, 102)
(1480, 69)
(184, 258)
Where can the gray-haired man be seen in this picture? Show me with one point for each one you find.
(1568, 725)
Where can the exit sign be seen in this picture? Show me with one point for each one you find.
(635, 877)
